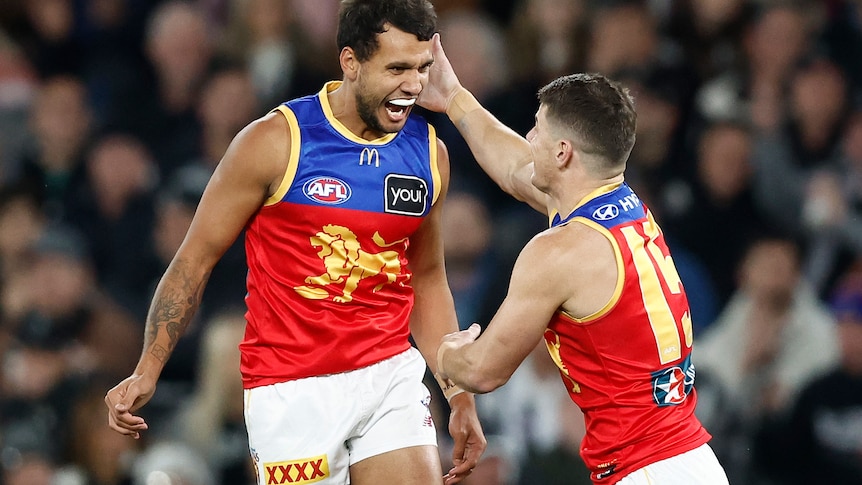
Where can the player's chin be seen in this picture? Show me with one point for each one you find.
(389, 127)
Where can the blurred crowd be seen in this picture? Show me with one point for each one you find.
(113, 114)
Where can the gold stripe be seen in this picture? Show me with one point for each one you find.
(604, 189)
(293, 160)
(618, 290)
(339, 127)
(658, 309)
(435, 170)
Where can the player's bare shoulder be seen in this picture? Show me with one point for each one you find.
(575, 238)
(584, 262)
(261, 150)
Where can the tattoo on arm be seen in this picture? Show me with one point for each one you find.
(175, 303)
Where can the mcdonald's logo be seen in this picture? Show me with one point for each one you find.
(369, 156)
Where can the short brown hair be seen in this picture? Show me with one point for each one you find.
(596, 110)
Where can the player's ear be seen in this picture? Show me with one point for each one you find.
(349, 63)
(565, 152)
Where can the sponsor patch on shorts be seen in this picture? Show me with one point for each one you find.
(304, 470)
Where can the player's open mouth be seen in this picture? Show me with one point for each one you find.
(399, 108)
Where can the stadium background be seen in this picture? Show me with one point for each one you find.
(113, 114)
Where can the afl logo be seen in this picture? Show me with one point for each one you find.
(606, 212)
(327, 190)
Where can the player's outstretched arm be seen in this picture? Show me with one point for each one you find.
(250, 170)
(503, 154)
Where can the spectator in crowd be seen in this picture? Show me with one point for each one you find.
(113, 208)
(719, 195)
(65, 330)
(771, 339)
(710, 32)
(267, 39)
(18, 85)
(50, 40)
(819, 441)
(61, 130)
(219, 120)
(94, 456)
(472, 262)
(748, 116)
(160, 107)
(21, 223)
(776, 38)
(211, 421)
(547, 38)
(172, 463)
(842, 38)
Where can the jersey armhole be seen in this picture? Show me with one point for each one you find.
(621, 273)
(293, 159)
(432, 155)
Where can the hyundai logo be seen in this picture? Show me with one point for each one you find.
(606, 212)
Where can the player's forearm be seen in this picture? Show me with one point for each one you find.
(175, 302)
(500, 151)
(463, 367)
(434, 317)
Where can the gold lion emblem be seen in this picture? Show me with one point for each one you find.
(347, 263)
(554, 350)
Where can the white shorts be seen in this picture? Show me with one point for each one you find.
(311, 430)
(696, 467)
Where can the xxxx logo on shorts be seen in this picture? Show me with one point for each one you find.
(305, 470)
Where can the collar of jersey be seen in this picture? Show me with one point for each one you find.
(339, 127)
(555, 218)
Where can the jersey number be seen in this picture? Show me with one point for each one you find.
(653, 267)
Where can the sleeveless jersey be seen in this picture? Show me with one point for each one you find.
(628, 366)
(328, 283)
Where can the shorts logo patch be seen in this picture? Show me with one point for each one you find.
(428, 421)
(406, 195)
(305, 470)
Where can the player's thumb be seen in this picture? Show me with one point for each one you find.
(126, 400)
(475, 329)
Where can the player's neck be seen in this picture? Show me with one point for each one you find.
(572, 194)
(343, 106)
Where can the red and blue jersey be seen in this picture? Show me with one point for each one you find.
(628, 366)
(328, 283)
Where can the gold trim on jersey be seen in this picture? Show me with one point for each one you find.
(604, 189)
(621, 271)
(293, 159)
(323, 95)
(435, 170)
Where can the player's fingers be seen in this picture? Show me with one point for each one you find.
(464, 461)
(452, 478)
(126, 424)
(121, 420)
